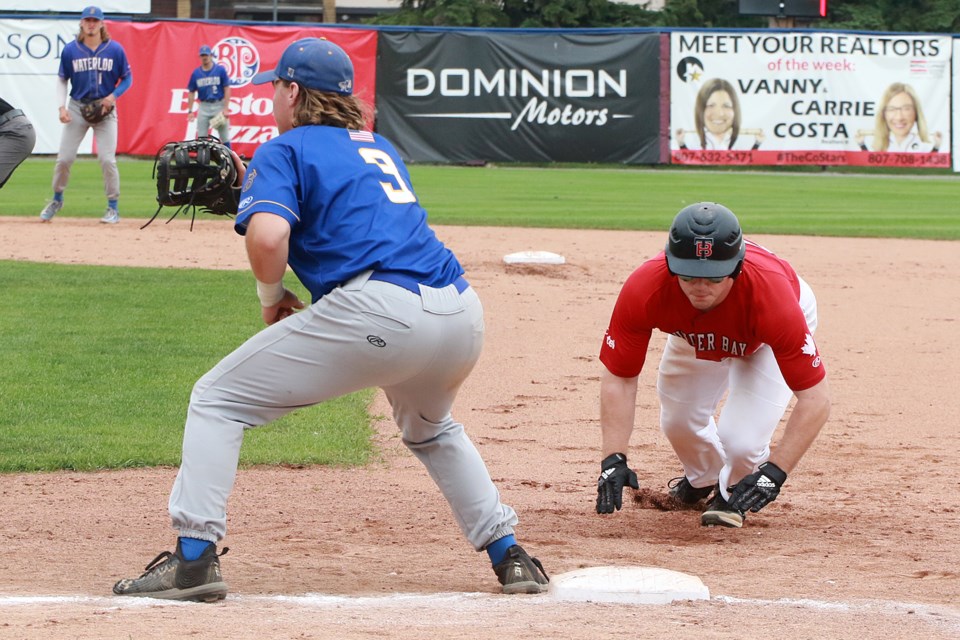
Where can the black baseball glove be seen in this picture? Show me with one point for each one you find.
(94, 112)
(196, 174)
(614, 475)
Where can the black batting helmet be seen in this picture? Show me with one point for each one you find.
(705, 242)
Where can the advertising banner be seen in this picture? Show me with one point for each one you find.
(956, 102)
(521, 97)
(162, 56)
(29, 61)
(777, 98)
(108, 6)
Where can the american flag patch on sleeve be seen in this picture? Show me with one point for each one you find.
(360, 136)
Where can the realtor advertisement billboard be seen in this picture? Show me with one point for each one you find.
(810, 98)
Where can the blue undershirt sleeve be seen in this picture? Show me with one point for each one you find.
(123, 86)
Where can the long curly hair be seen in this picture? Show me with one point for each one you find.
(330, 109)
(104, 34)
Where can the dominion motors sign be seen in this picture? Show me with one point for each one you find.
(455, 97)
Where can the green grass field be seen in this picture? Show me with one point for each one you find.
(915, 205)
(101, 379)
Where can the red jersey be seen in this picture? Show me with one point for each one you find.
(761, 308)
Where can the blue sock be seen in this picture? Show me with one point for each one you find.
(58, 196)
(192, 548)
(112, 204)
(498, 548)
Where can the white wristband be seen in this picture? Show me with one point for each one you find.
(270, 294)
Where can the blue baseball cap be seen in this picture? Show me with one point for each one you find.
(205, 50)
(91, 12)
(315, 63)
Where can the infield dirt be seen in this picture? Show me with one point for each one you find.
(863, 541)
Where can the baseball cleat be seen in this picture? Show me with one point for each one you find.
(519, 573)
(720, 514)
(170, 577)
(683, 492)
(112, 216)
(52, 208)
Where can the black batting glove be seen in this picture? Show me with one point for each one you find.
(759, 489)
(614, 474)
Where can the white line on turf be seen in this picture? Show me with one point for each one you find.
(942, 614)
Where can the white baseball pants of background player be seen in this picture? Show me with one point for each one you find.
(206, 112)
(105, 133)
(723, 450)
(366, 333)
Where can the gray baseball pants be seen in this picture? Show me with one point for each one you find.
(17, 139)
(105, 133)
(205, 113)
(418, 348)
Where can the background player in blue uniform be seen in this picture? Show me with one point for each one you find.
(96, 67)
(389, 308)
(211, 85)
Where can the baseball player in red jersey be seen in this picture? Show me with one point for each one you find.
(741, 323)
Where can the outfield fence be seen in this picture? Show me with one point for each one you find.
(631, 96)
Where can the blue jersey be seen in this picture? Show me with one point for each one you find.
(348, 199)
(209, 85)
(93, 74)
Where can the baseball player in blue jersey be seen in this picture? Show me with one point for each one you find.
(17, 139)
(389, 308)
(97, 69)
(211, 85)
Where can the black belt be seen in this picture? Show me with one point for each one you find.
(412, 284)
(212, 101)
(10, 115)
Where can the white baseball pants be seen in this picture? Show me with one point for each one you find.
(207, 112)
(105, 133)
(726, 448)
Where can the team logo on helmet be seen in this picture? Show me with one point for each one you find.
(703, 246)
(239, 57)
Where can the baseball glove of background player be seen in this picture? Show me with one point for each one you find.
(196, 173)
(218, 120)
(93, 112)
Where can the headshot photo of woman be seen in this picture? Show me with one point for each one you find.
(717, 116)
(900, 126)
